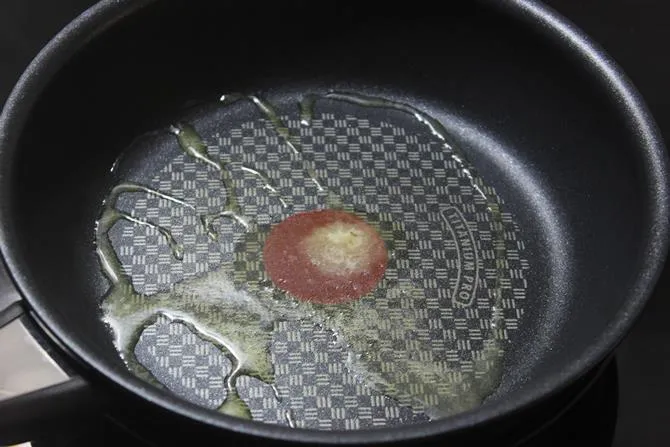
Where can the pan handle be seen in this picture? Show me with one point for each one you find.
(37, 392)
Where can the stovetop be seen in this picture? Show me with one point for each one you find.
(629, 402)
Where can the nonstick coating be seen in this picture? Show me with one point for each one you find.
(383, 166)
(572, 160)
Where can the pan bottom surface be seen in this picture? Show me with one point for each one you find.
(557, 426)
(437, 336)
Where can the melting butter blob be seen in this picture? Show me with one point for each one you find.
(240, 323)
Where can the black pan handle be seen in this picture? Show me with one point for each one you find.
(37, 390)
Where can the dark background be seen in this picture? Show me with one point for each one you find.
(635, 32)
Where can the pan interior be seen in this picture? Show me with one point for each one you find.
(438, 328)
(538, 125)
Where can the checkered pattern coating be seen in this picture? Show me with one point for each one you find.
(389, 171)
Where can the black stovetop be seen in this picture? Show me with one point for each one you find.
(629, 403)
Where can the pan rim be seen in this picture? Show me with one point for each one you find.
(106, 13)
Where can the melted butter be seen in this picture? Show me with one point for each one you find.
(271, 114)
(192, 144)
(436, 129)
(236, 323)
(110, 216)
(486, 369)
(267, 183)
(416, 379)
(240, 323)
(235, 406)
(306, 105)
(280, 127)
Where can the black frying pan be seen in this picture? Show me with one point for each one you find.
(497, 126)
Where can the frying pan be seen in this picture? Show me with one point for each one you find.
(497, 126)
